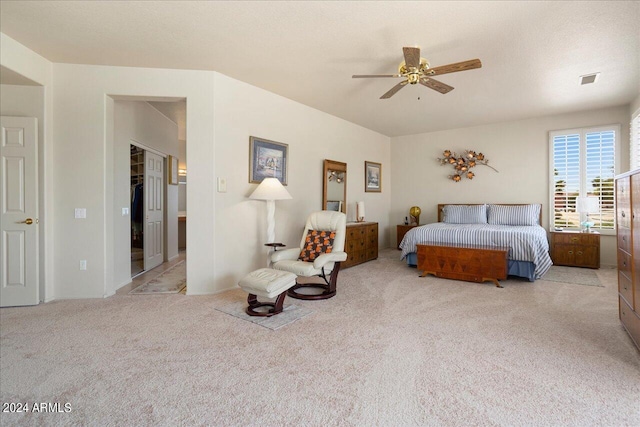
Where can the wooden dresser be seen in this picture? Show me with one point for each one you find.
(628, 232)
(575, 249)
(361, 244)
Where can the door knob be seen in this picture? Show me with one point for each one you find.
(27, 221)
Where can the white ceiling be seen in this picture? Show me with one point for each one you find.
(532, 52)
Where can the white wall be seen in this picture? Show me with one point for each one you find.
(140, 122)
(520, 152)
(226, 240)
(85, 167)
(635, 105)
(241, 111)
(29, 64)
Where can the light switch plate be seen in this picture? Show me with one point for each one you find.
(222, 185)
(81, 213)
(125, 211)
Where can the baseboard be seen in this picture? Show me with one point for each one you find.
(213, 292)
(125, 283)
(173, 257)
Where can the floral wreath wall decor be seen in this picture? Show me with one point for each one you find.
(462, 164)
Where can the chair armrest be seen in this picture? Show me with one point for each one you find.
(324, 259)
(290, 254)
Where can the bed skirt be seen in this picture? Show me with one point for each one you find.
(524, 269)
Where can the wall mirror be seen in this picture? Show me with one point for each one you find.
(334, 186)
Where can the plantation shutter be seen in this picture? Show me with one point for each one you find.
(566, 169)
(600, 171)
(583, 166)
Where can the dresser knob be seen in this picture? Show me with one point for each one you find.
(570, 252)
(579, 252)
(574, 239)
(622, 214)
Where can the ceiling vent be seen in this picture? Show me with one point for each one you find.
(589, 78)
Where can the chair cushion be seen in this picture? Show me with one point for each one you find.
(267, 282)
(317, 243)
(300, 268)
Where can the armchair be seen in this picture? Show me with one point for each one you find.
(324, 264)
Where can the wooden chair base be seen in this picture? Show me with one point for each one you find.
(325, 294)
(276, 306)
(328, 288)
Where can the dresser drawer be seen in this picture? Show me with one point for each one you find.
(624, 239)
(623, 201)
(630, 320)
(625, 288)
(356, 233)
(624, 263)
(576, 238)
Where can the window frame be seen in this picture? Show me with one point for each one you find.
(583, 167)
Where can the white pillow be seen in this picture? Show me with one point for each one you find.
(514, 215)
(465, 214)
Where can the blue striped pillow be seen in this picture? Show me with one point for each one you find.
(513, 215)
(463, 214)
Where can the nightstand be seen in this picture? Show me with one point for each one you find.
(575, 249)
(401, 230)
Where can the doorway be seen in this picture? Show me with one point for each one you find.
(137, 210)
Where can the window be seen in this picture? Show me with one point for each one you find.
(635, 140)
(584, 165)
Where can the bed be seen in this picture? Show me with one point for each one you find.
(516, 226)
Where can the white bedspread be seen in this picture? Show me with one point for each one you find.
(526, 243)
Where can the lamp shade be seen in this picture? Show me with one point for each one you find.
(270, 189)
(587, 204)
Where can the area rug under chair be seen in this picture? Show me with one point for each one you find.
(171, 281)
(573, 275)
(289, 314)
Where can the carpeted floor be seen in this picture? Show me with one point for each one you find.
(391, 349)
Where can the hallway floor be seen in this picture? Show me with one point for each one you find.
(143, 278)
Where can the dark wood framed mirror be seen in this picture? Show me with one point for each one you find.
(334, 186)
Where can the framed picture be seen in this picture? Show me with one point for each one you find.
(172, 162)
(372, 177)
(267, 159)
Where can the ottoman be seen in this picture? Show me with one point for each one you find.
(267, 283)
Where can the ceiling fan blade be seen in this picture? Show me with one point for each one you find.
(368, 76)
(394, 89)
(453, 68)
(411, 56)
(436, 85)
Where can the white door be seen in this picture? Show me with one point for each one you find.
(153, 209)
(19, 211)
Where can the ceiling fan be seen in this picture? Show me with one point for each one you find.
(417, 70)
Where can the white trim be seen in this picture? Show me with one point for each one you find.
(146, 147)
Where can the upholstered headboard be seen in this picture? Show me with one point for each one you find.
(442, 205)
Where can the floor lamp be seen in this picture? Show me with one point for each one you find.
(270, 189)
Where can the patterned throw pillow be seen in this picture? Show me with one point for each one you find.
(316, 244)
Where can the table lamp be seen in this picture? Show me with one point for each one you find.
(270, 189)
(587, 205)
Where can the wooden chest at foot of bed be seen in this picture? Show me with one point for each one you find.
(464, 262)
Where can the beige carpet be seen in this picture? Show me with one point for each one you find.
(391, 349)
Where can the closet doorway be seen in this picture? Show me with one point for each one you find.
(147, 210)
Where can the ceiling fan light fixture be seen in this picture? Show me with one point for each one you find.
(589, 78)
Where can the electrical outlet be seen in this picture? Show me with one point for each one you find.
(83, 264)
(81, 213)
